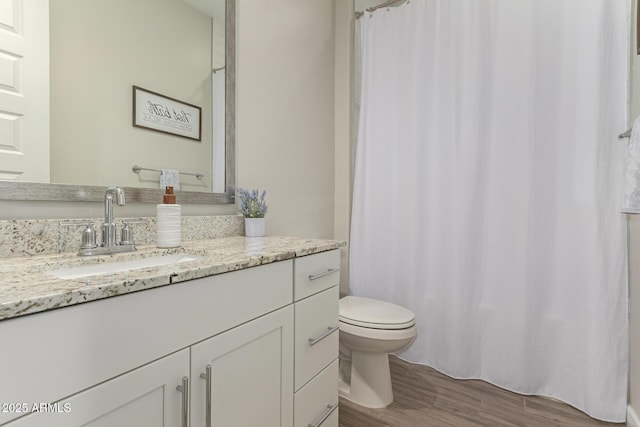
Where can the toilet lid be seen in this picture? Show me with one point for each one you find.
(372, 313)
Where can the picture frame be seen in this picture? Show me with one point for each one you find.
(161, 113)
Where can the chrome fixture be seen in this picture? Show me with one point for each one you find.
(390, 3)
(110, 244)
(625, 134)
(88, 237)
(137, 169)
(109, 228)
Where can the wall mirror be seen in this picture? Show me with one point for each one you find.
(181, 49)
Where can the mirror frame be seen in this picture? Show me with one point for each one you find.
(91, 193)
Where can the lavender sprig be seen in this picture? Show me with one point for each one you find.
(252, 203)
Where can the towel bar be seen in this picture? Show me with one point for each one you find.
(137, 169)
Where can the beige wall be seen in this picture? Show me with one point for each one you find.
(285, 107)
(634, 242)
(343, 121)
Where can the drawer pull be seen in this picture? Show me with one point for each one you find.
(329, 331)
(207, 377)
(326, 415)
(184, 389)
(329, 271)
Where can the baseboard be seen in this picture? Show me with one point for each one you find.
(632, 418)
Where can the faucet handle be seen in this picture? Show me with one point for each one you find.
(88, 234)
(88, 237)
(126, 234)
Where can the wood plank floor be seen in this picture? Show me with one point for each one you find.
(425, 397)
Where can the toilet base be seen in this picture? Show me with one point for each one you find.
(376, 390)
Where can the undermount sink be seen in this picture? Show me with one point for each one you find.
(120, 266)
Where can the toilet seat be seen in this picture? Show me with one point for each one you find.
(369, 330)
(378, 333)
(374, 314)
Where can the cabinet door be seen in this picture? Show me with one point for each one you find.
(251, 368)
(145, 397)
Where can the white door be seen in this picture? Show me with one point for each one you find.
(251, 374)
(145, 397)
(24, 90)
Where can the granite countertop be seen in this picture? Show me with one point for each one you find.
(27, 288)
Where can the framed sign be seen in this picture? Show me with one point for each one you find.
(163, 114)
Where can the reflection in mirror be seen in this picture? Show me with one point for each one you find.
(164, 46)
(98, 51)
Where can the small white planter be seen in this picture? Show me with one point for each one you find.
(254, 227)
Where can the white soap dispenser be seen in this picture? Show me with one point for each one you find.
(169, 218)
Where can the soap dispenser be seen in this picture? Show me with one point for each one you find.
(169, 218)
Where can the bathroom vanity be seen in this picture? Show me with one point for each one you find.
(245, 335)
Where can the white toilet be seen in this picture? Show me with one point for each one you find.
(369, 330)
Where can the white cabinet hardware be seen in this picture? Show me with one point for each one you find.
(329, 331)
(184, 389)
(313, 277)
(326, 415)
(207, 377)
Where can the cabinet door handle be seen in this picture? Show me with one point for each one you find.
(207, 377)
(184, 389)
(319, 275)
(329, 331)
(326, 415)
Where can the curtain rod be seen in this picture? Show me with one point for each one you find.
(380, 6)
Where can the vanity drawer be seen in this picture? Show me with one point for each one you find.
(316, 334)
(318, 399)
(314, 273)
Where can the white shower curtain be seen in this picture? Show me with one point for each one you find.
(487, 190)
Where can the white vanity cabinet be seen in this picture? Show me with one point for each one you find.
(316, 294)
(242, 349)
(57, 355)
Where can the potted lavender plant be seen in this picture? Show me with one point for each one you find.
(253, 208)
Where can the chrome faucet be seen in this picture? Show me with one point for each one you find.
(110, 244)
(109, 228)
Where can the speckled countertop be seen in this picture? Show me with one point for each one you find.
(26, 287)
